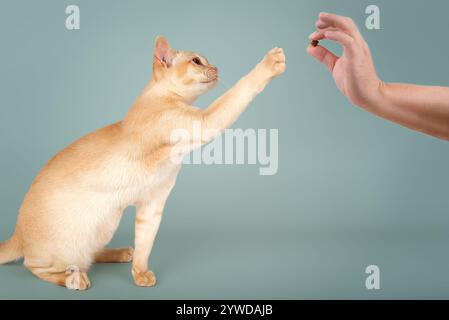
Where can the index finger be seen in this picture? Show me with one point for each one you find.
(332, 20)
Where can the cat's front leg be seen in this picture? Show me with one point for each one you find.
(272, 65)
(147, 223)
(225, 110)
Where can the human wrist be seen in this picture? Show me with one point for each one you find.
(377, 101)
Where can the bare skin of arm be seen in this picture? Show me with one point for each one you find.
(420, 108)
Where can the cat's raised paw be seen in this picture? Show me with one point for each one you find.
(144, 279)
(274, 62)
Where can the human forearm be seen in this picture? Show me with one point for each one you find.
(421, 108)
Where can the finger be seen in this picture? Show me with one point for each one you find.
(319, 34)
(324, 56)
(342, 38)
(335, 35)
(327, 20)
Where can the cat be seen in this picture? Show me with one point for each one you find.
(75, 203)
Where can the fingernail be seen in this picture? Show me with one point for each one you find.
(323, 13)
(312, 35)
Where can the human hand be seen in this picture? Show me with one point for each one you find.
(354, 71)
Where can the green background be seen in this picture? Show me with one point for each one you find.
(352, 189)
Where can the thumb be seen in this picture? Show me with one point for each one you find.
(324, 56)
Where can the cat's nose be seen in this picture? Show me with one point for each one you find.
(212, 73)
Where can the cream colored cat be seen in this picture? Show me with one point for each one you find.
(75, 203)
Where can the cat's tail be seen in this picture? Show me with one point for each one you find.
(11, 249)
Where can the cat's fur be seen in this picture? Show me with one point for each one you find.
(75, 203)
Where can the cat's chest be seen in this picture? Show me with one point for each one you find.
(127, 183)
(156, 180)
(163, 174)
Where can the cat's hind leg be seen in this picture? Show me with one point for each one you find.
(76, 279)
(72, 277)
(121, 255)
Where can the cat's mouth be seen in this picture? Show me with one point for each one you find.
(210, 81)
(211, 75)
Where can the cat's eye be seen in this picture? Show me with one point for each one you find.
(197, 61)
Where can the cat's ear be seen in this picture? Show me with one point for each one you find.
(163, 54)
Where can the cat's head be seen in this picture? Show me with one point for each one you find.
(186, 73)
